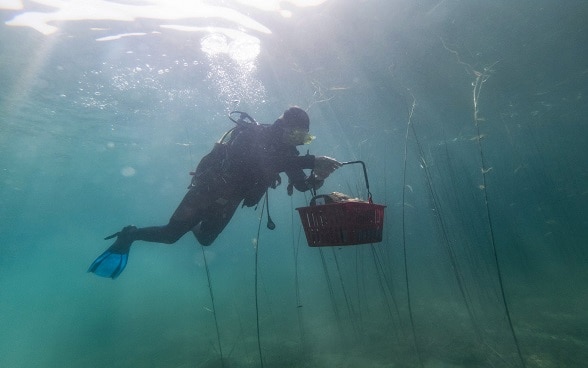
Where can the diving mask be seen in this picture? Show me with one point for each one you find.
(298, 136)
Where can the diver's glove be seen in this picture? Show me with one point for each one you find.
(324, 166)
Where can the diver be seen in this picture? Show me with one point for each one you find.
(240, 168)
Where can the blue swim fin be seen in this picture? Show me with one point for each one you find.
(109, 264)
(112, 262)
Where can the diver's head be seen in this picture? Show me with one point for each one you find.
(294, 124)
(295, 117)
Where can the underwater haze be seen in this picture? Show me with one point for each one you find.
(469, 115)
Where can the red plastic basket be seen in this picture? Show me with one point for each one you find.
(343, 223)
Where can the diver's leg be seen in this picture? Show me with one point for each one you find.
(215, 220)
(114, 260)
(167, 234)
(206, 222)
(188, 213)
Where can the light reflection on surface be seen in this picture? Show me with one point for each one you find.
(129, 11)
(229, 35)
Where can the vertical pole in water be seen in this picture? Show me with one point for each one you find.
(331, 292)
(481, 78)
(408, 296)
(257, 288)
(295, 250)
(220, 347)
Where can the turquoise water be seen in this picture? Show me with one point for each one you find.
(470, 117)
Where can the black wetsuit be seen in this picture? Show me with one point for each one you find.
(238, 169)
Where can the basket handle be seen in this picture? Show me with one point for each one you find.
(367, 183)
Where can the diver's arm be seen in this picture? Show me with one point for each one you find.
(289, 163)
(246, 150)
(251, 147)
(323, 166)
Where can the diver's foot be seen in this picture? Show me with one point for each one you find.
(124, 239)
(114, 260)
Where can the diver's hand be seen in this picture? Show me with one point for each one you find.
(324, 166)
